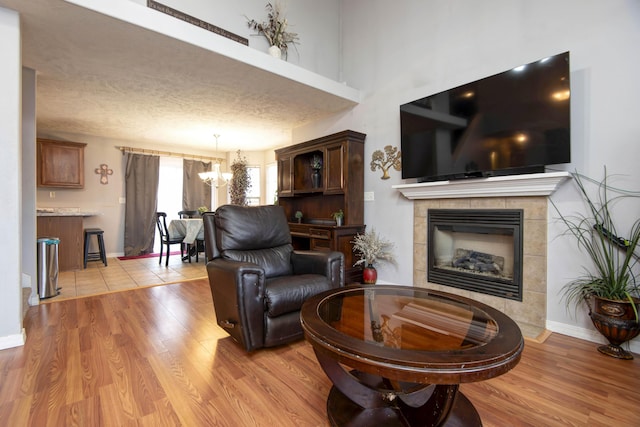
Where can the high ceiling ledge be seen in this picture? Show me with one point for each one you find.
(334, 96)
(538, 184)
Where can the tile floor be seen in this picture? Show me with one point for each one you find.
(128, 274)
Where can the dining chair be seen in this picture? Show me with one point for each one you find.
(166, 239)
(188, 214)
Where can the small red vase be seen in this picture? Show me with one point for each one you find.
(369, 275)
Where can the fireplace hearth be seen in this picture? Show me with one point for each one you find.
(478, 250)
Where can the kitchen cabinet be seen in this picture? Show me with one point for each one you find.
(70, 231)
(341, 187)
(60, 164)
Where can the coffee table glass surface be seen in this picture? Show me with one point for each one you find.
(400, 341)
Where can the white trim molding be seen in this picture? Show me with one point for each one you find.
(536, 184)
(16, 340)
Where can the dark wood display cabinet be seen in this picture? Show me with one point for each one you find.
(339, 187)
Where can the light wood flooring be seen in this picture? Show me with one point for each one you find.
(127, 274)
(155, 356)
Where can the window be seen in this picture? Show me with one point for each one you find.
(253, 194)
(169, 190)
(272, 184)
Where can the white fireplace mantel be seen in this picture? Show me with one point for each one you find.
(537, 184)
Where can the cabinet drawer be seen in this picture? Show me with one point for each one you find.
(318, 233)
(320, 245)
(299, 229)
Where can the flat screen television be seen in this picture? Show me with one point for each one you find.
(514, 122)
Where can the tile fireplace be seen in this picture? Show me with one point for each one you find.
(527, 194)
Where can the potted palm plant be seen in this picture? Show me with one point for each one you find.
(608, 287)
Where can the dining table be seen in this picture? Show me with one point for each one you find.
(190, 229)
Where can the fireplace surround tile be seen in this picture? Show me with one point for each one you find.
(530, 314)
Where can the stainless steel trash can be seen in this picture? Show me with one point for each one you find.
(47, 263)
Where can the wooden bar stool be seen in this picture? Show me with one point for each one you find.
(101, 255)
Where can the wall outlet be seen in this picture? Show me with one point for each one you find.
(52, 194)
(122, 200)
(368, 196)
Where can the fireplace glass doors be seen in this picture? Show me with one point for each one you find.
(477, 250)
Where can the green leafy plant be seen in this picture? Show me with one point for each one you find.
(338, 214)
(370, 247)
(202, 209)
(275, 28)
(240, 181)
(612, 274)
(298, 215)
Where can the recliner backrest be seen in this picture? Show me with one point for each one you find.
(256, 234)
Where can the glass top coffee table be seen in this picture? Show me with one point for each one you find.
(397, 354)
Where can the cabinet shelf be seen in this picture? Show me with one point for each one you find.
(341, 188)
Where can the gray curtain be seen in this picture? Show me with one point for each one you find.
(195, 192)
(141, 181)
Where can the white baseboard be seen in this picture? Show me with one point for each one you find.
(588, 335)
(26, 281)
(11, 341)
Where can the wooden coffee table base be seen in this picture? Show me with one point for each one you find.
(361, 399)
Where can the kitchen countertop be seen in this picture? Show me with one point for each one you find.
(64, 212)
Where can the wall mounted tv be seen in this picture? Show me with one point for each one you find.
(514, 122)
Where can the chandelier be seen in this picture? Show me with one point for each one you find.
(214, 177)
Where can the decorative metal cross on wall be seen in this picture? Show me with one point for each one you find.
(104, 171)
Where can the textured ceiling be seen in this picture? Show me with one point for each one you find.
(101, 76)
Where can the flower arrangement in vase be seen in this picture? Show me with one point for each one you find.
(370, 247)
(275, 30)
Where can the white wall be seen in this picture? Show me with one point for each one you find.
(28, 234)
(11, 332)
(317, 24)
(401, 52)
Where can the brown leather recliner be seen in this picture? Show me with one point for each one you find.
(257, 280)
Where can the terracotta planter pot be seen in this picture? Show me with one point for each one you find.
(616, 321)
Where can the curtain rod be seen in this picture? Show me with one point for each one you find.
(167, 153)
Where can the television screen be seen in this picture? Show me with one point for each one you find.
(517, 121)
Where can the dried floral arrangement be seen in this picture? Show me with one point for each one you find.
(390, 158)
(370, 247)
(240, 181)
(275, 28)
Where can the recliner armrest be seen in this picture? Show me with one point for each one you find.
(238, 290)
(328, 264)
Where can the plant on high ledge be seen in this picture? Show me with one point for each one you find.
(608, 286)
(274, 29)
(240, 181)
